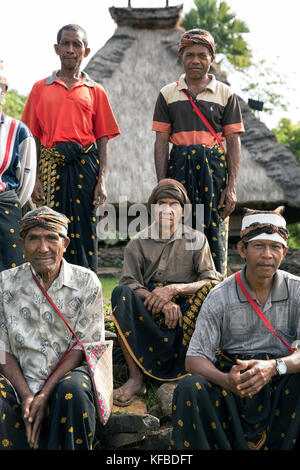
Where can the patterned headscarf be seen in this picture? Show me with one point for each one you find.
(197, 36)
(264, 225)
(46, 218)
(168, 188)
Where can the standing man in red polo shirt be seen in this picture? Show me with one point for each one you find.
(198, 158)
(71, 119)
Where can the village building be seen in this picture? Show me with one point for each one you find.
(133, 65)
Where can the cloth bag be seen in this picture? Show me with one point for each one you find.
(98, 356)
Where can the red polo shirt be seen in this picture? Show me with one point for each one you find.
(54, 113)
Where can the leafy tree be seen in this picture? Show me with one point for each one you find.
(264, 83)
(14, 104)
(288, 134)
(294, 238)
(226, 29)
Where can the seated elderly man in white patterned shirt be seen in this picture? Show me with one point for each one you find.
(46, 398)
(244, 391)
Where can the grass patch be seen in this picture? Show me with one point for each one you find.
(108, 285)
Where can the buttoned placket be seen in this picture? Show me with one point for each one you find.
(162, 265)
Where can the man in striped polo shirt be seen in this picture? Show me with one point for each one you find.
(198, 159)
(17, 178)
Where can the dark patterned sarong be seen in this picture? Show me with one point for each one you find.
(209, 417)
(71, 421)
(10, 214)
(203, 172)
(160, 352)
(68, 173)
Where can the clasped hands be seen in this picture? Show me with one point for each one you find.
(159, 300)
(34, 411)
(246, 383)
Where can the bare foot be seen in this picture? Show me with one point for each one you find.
(127, 393)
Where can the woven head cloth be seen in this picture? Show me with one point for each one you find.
(168, 188)
(197, 36)
(264, 225)
(46, 218)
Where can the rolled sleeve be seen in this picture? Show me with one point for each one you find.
(90, 324)
(4, 337)
(207, 335)
(132, 272)
(204, 264)
(161, 119)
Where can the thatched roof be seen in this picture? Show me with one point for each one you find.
(132, 66)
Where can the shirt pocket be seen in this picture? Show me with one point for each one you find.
(238, 325)
(85, 103)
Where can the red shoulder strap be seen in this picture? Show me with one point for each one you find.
(62, 317)
(257, 309)
(203, 119)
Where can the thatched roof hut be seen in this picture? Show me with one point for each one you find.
(133, 65)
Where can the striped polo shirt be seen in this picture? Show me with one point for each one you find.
(174, 113)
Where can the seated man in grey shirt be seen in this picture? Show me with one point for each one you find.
(244, 391)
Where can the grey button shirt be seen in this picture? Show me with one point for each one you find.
(228, 321)
(30, 328)
(185, 258)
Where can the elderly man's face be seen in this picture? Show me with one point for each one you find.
(168, 213)
(263, 257)
(44, 249)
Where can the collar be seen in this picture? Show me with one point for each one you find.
(212, 85)
(279, 289)
(86, 79)
(64, 278)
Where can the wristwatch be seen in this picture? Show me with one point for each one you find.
(281, 366)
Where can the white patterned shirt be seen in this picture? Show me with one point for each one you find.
(30, 328)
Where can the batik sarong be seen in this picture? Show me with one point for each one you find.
(203, 172)
(68, 173)
(209, 417)
(11, 254)
(71, 421)
(159, 351)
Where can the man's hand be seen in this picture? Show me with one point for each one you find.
(250, 382)
(38, 195)
(173, 315)
(100, 194)
(229, 199)
(26, 404)
(34, 412)
(157, 299)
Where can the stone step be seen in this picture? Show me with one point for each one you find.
(138, 407)
(109, 272)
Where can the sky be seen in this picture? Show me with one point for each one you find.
(28, 33)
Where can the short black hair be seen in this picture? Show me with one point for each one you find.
(72, 27)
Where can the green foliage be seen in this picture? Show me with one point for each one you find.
(288, 134)
(14, 104)
(108, 285)
(226, 29)
(264, 83)
(294, 238)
